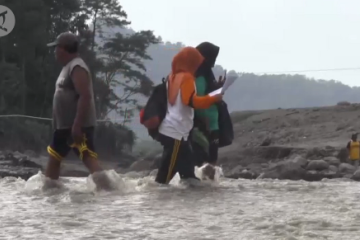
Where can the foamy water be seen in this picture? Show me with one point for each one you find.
(141, 209)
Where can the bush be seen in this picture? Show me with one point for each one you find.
(343, 103)
(112, 139)
(147, 148)
(23, 134)
(19, 134)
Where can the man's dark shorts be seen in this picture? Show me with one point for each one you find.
(62, 143)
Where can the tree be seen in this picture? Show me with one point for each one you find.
(123, 67)
(121, 77)
(29, 71)
(109, 12)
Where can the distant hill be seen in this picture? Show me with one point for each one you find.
(254, 92)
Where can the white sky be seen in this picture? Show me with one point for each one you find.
(262, 35)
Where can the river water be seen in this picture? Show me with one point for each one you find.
(141, 209)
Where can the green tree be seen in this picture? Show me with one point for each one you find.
(121, 77)
(118, 69)
(29, 70)
(123, 58)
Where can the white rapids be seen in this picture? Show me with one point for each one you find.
(140, 209)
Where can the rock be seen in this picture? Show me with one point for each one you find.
(346, 168)
(24, 173)
(299, 161)
(156, 161)
(327, 147)
(30, 153)
(316, 153)
(266, 142)
(18, 165)
(234, 173)
(246, 174)
(273, 152)
(347, 176)
(333, 168)
(356, 175)
(332, 161)
(313, 175)
(287, 169)
(24, 162)
(140, 165)
(317, 165)
(153, 173)
(264, 165)
(343, 155)
(125, 162)
(330, 174)
(240, 172)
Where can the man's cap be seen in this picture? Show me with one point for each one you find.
(66, 39)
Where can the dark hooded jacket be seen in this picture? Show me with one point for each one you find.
(210, 52)
(206, 83)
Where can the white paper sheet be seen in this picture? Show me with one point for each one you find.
(228, 82)
(216, 92)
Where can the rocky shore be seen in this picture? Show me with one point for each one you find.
(18, 165)
(293, 164)
(273, 162)
(25, 165)
(294, 144)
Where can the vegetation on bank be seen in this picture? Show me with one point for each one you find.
(29, 70)
(118, 57)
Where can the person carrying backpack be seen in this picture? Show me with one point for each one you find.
(207, 120)
(175, 127)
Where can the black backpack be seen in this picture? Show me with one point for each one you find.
(226, 131)
(155, 109)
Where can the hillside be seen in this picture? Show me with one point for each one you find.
(305, 127)
(256, 92)
(285, 141)
(250, 91)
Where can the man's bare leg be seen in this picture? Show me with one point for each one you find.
(101, 181)
(92, 164)
(53, 168)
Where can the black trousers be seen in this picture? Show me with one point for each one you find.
(62, 143)
(199, 155)
(177, 157)
(214, 147)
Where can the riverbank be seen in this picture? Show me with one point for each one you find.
(292, 144)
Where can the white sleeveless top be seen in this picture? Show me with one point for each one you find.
(179, 120)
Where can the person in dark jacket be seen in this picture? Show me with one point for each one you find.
(207, 120)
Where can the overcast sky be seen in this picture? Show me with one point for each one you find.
(262, 35)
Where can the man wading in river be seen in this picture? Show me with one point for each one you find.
(74, 116)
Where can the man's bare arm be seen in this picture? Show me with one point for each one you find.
(81, 80)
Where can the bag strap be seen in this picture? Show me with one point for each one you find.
(191, 104)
